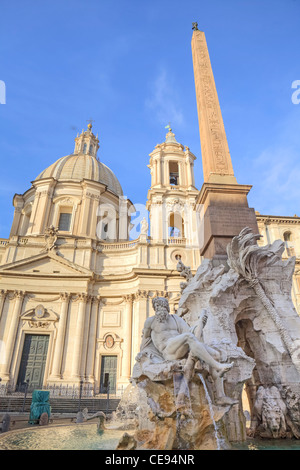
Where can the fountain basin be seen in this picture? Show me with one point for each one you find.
(62, 437)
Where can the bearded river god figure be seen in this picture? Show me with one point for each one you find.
(235, 329)
(178, 382)
(174, 339)
(170, 345)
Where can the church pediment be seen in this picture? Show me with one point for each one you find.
(47, 264)
(39, 317)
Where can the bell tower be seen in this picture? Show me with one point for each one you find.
(172, 196)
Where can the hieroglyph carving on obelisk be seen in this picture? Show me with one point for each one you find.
(214, 147)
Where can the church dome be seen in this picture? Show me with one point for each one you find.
(83, 164)
(79, 167)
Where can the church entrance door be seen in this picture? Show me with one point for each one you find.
(33, 361)
(108, 366)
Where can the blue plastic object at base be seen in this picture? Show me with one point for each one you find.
(39, 405)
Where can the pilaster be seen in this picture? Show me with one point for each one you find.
(60, 339)
(12, 333)
(78, 337)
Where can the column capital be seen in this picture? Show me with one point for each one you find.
(141, 294)
(65, 296)
(83, 297)
(3, 293)
(19, 294)
(128, 298)
(161, 293)
(95, 299)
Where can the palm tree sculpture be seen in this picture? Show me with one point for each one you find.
(247, 259)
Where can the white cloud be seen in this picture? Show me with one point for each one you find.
(278, 167)
(164, 102)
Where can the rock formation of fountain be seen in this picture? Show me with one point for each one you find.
(242, 315)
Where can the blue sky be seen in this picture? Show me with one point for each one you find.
(127, 65)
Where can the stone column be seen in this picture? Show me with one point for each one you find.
(92, 340)
(85, 340)
(181, 174)
(95, 203)
(60, 339)
(156, 226)
(126, 360)
(154, 173)
(41, 208)
(166, 174)
(158, 163)
(2, 300)
(78, 337)
(12, 333)
(85, 211)
(123, 219)
(15, 229)
(189, 170)
(139, 319)
(143, 251)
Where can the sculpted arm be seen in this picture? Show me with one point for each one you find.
(196, 329)
(146, 333)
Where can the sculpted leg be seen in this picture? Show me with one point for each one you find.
(178, 347)
(200, 351)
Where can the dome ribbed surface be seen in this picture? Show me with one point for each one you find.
(79, 167)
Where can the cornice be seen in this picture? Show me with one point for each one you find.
(222, 188)
(281, 219)
(140, 273)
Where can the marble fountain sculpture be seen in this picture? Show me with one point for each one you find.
(236, 327)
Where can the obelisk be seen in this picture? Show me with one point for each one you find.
(223, 201)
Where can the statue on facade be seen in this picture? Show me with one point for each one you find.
(51, 238)
(144, 227)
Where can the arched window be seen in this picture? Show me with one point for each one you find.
(91, 149)
(84, 148)
(174, 173)
(287, 236)
(176, 225)
(106, 222)
(288, 239)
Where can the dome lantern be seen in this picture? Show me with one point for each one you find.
(83, 164)
(86, 143)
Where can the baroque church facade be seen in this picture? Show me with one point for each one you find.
(75, 288)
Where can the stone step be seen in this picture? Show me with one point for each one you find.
(59, 405)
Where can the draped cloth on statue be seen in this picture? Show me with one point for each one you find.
(39, 405)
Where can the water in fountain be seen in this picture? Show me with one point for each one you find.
(61, 437)
(183, 406)
(182, 393)
(211, 411)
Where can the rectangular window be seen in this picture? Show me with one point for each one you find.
(64, 223)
